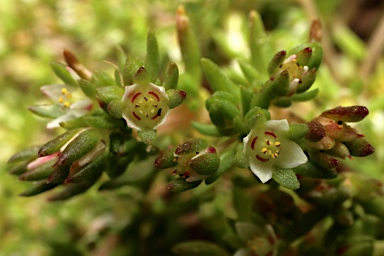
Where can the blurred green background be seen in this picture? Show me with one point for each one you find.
(34, 32)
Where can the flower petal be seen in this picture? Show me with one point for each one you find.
(291, 154)
(277, 125)
(263, 170)
(56, 122)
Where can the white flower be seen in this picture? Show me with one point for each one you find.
(66, 97)
(145, 106)
(268, 149)
(296, 72)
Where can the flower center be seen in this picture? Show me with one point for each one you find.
(270, 147)
(65, 98)
(146, 105)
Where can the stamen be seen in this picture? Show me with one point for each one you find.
(264, 150)
(64, 91)
(61, 100)
(277, 144)
(268, 143)
(275, 155)
(67, 104)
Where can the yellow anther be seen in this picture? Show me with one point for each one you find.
(68, 95)
(268, 143)
(64, 91)
(67, 104)
(264, 150)
(275, 155)
(277, 143)
(61, 100)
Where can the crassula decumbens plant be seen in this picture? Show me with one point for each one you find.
(112, 124)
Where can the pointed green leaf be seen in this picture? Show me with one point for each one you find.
(24, 155)
(103, 122)
(171, 77)
(305, 96)
(62, 72)
(206, 129)
(180, 185)
(218, 81)
(286, 178)
(152, 60)
(47, 111)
